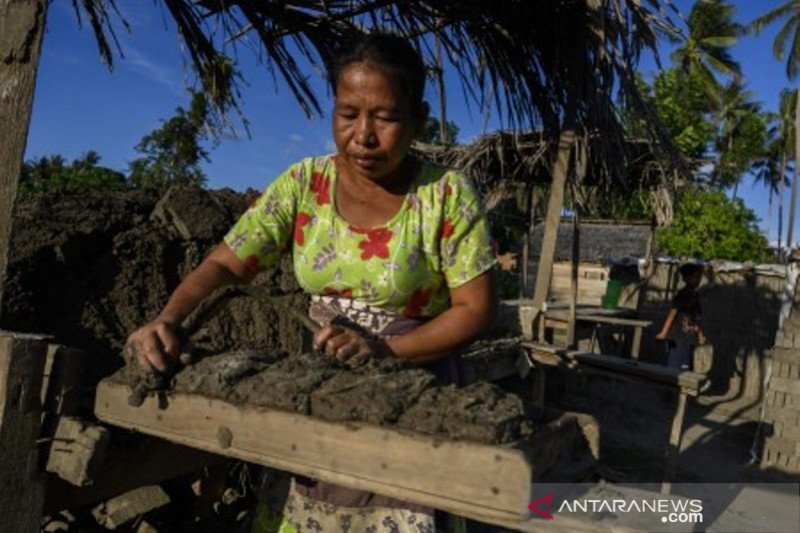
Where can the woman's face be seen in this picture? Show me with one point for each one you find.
(373, 124)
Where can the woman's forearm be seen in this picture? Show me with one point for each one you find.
(471, 312)
(450, 330)
(668, 321)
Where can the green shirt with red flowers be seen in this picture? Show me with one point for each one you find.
(437, 240)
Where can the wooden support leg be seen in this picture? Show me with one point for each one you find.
(637, 342)
(674, 444)
(22, 360)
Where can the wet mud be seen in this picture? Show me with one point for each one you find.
(87, 267)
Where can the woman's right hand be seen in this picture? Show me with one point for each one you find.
(156, 346)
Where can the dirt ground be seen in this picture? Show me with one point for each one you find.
(635, 421)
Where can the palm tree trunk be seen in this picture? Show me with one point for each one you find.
(736, 184)
(781, 194)
(21, 30)
(793, 199)
(769, 212)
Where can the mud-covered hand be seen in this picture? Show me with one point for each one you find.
(156, 346)
(349, 346)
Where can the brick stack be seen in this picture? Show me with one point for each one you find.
(782, 400)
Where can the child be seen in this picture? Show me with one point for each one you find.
(681, 328)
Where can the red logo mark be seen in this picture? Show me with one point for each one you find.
(534, 506)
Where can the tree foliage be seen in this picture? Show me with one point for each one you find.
(431, 133)
(172, 153)
(53, 173)
(709, 225)
(682, 105)
(789, 33)
(706, 51)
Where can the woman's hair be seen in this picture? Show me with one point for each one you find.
(393, 55)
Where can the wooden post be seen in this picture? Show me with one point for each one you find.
(674, 450)
(573, 300)
(22, 360)
(526, 244)
(21, 30)
(554, 206)
(637, 342)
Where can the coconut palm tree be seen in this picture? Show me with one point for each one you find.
(789, 12)
(735, 113)
(785, 142)
(770, 171)
(705, 52)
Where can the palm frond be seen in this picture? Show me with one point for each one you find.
(533, 62)
(782, 37)
(793, 59)
(758, 25)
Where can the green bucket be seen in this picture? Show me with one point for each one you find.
(613, 290)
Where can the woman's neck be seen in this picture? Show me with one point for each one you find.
(370, 203)
(396, 183)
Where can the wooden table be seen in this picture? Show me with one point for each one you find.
(558, 316)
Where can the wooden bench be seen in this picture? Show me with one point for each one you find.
(684, 383)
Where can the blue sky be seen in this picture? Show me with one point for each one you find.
(79, 105)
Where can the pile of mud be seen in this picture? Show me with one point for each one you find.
(88, 267)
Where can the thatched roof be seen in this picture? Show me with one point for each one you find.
(498, 161)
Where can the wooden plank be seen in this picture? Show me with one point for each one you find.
(674, 449)
(566, 144)
(636, 344)
(131, 461)
(77, 450)
(62, 379)
(468, 479)
(22, 359)
(592, 281)
(688, 381)
(573, 279)
(618, 321)
(126, 507)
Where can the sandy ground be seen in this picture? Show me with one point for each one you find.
(715, 460)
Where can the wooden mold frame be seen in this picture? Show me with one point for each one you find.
(488, 483)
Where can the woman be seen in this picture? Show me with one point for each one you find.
(395, 245)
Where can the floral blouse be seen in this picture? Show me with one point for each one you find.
(437, 240)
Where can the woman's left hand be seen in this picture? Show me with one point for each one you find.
(349, 346)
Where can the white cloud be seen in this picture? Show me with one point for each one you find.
(150, 69)
(296, 138)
